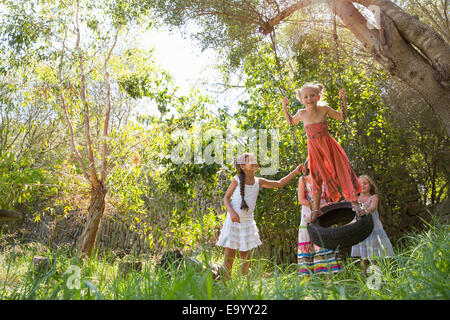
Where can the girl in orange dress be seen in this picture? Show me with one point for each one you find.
(327, 160)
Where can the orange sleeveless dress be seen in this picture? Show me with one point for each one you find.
(329, 164)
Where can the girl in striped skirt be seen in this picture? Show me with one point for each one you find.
(312, 259)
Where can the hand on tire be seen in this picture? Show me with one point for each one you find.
(332, 237)
(362, 212)
(326, 204)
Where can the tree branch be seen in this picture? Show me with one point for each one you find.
(93, 174)
(108, 112)
(427, 40)
(269, 25)
(229, 15)
(68, 121)
(357, 24)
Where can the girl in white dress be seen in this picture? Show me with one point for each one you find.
(239, 231)
(377, 244)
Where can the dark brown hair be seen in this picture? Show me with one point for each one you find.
(241, 160)
(306, 165)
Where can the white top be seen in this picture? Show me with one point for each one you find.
(241, 236)
(251, 194)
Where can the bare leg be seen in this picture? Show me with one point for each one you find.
(246, 265)
(316, 204)
(298, 189)
(228, 262)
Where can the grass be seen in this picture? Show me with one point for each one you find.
(420, 270)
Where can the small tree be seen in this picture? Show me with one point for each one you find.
(73, 41)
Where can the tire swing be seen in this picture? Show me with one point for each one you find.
(350, 233)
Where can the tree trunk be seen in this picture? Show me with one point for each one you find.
(88, 237)
(400, 58)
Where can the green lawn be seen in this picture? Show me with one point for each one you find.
(419, 271)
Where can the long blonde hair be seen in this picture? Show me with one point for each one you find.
(313, 85)
(373, 186)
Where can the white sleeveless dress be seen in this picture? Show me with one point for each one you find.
(241, 236)
(377, 244)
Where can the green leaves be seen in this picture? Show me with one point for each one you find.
(21, 182)
(26, 29)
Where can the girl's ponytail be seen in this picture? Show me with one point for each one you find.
(241, 160)
(320, 88)
(244, 205)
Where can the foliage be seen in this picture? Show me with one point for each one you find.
(418, 271)
(181, 201)
(22, 182)
(228, 26)
(179, 205)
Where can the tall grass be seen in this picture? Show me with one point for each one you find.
(419, 271)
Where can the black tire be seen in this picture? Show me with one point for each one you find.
(325, 236)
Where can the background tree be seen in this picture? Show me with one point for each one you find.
(406, 47)
(74, 42)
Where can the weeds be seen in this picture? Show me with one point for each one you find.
(419, 271)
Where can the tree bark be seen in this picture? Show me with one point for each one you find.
(95, 213)
(269, 25)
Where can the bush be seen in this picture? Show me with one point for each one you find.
(22, 183)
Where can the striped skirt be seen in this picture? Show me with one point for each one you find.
(313, 259)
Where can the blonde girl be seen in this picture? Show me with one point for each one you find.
(377, 244)
(328, 162)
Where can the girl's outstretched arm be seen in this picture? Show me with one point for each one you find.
(265, 183)
(373, 204)
(291, 120)
(338, 115)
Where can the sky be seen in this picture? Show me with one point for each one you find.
(190, 67)
(180, 56)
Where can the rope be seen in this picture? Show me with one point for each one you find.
(339, 81)
(283, 90)
(336, 47)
